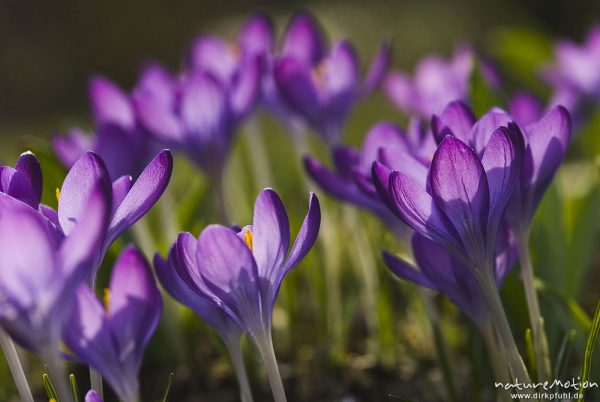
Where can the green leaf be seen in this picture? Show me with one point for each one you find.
(564, 354)
(589, 350)
(49, 386)
(74, 387)
(481, 94)
(531, 353)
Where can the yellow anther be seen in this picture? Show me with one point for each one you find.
(248, 238)
(57, 194)
(319, 72)
(52, 400)
(107, 300)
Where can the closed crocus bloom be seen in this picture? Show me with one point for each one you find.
(319, 85)
(37, 287)
(118, 138)
(24, 181)
(129, 200)
(575, 73)
(173, 274)
(112, 337)
(387, 143)
(198, 113)
(92, 396)
(241, 272)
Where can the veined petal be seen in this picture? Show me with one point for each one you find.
(306, 236)
(485, 126)
(13, 183)
(77, 187)
(378, 68)
(406, 271)
(143, 194)
(229, 269)
(120, 189)
(460, 189)
(397, 158)
(303, 39)
(134, 305)
(417, 208)
(270, 237)
(110, 105)
(458, 118)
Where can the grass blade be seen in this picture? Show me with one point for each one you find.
(168, 388)
(564, 354)
(589, 350)
(74, 387)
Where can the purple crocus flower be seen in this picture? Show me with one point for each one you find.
(319, 85)
(171, 273)
(112, 337)
(198, 112)
(575, 74)
(387, 143)
(435, 83)
(440, 271)
(525, 109)
(241, 272)
(24, 181)
(36, 288)
(130, 200)
(123, 144)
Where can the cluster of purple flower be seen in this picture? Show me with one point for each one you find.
(465, 189)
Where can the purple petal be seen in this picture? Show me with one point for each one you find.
(216, 56)
(228, 267)
(547, 142)
(524, 108)
(397, 158)
(135, 303)
(13, 183)
(502, 162)
(77, 187)
(157, 115)
(378, 68)
(485, 126)
(458, 118)
(257, 36)
(120, 189)
(294, 81)
(245, 90)
(306, 236)
(399, 88)
(143, 194)
(110, 105)
(460, 189)
(50, 214)
(270, 236)
(416, 207)
(381, 135)
(381, 179)
(204, 107)
(341, 71)
(303, 39)
(157, 84)
(71, 146)
(29, 167)
(405, 271)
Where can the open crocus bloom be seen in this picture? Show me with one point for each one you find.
(121, 142)
(385, 142)
(37, 288)
(322, 86)
(130, 200)
(24, 181)
(112, 337)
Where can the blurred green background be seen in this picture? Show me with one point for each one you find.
(345, 330)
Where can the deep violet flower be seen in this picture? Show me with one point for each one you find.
(387, 143)
(241, 272)
(435, 83)
(321, 86)
(112, 337)
(24, 181)
(181, 259)
(440, 271)
(575, 73)
(197, 112)
(36, 288)
(118, 138)
(130, 200)
(92, 396)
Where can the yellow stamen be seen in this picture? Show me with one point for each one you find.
(57, 194)
(248, 238)
(52, 400)
(319, 72)
(107, 300)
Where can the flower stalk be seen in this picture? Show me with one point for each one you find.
(14, 363)
(265, 349)
(237, 358)
(535, 315)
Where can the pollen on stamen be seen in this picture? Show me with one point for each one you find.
(248, 238)
(107, 300)
(57, 194)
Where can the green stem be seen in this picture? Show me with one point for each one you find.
(56, 370)
(237, 359)
(265, 348)
(14, 363)
(96, 382)
(498, 315)
(259, 157)
(220, 198)
(535, 315)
